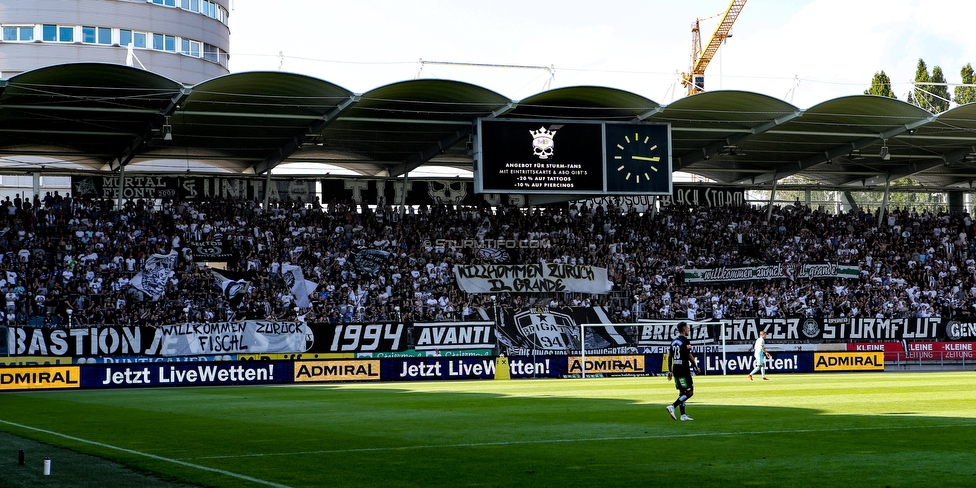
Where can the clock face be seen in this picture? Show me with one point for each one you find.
(638, 160)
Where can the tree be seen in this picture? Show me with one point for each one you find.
(966, 94)
(939, 90)
(916, 96)
(881, 86)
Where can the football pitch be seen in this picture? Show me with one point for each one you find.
(866, 429)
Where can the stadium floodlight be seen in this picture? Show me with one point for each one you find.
(885, 155)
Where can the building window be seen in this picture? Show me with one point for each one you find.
(18, 33)
(104, 35)
(125, 37)
(185, 47)
(168, 3)
(195, 49)
(58, 33)
(210, 53)
(88, 35)
(139, 40)
(158, 42)
(169, 42)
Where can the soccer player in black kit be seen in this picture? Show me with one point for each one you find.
(680, 363)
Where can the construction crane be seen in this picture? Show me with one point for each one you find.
(694, 79)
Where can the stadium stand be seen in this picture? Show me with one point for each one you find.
(60, 254)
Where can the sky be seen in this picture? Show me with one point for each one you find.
(801, 51)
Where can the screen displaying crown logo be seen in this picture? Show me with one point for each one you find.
(543, 143)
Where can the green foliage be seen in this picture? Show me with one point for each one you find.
(794, 430)
(917, 97)
(880, 86)
(966, 94)
(939, 97)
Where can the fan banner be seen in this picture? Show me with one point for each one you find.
(359, 338)
(233, 285)
(155, 274)
(300, 287)
(191, 339)
(532, 278)
(369, 262)
(439, 336)
(556, 331)
(782, 271)
(211, 250)
(196, 188)
(961, 329)
(842, 329)
(246, 337)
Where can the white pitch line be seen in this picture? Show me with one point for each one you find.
(151, 456)
(587, 439)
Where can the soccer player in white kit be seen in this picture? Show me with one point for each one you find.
(761, 356)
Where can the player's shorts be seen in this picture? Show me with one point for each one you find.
(684, 382)
(760, 360)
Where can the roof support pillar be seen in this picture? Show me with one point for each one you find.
(772, 198)
(37, 184)
(118, 202)
(847, 200)
(403, 196)
(884, 202)
(267, 189)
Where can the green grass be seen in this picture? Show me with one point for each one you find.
(878, 430)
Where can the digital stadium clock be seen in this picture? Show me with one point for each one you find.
(638, 159)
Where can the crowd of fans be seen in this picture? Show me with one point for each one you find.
(59, 254)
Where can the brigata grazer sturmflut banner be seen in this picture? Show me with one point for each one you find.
(532, 278)
(788, 271)
(834, 330)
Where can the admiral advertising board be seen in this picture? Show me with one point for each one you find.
(40, 377)
(607, 365)
(323, 371)
(848, 361)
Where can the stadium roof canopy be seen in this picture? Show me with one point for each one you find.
(99, 117)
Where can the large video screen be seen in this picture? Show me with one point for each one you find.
(572, 157)
(539, 156)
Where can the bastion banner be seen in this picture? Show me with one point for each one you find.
(787, 271)
(246, 337)
(532, 278)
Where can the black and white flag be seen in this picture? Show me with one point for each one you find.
(234, 285)
(299, 286)
(155, 273)
(369, 262)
